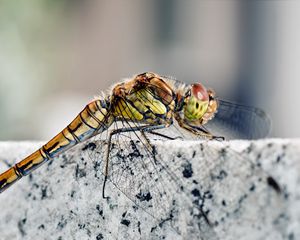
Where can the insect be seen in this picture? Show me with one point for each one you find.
(145, 104)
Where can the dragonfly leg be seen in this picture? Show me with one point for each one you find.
(150, 129)
(214, 137)
(164, 136)
(205, 133)
(199, 130)
(142, 129)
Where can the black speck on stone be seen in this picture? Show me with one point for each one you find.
(90, 146)
(43, 192)
(21, 227)
(42, 226)
(258, 164)
(187, 171)
(272, 183)
(291, 236)
(242, 198)
(250, 148)
(252, 188)
(196, 192)
(144, 196)
(62, 223)
(100, 211)
(224, 203)
(207, 195)
(284, 146)
(223, 152)
(72, 193)
(270, 145)
(99, 236)
(30, 177)
(79, 173)
(125, 222)
(139, 226)
(220, 175)
(286, 195)
(81, 226)
(278, 159)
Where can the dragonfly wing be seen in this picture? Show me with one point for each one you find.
(153, 185)
(236, 121)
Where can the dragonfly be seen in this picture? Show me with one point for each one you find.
(146, 104)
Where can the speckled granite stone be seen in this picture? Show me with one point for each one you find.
(214, 190)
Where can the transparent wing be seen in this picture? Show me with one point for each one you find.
(234, 121)
(152, 184)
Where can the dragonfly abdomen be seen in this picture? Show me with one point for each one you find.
(93, 119)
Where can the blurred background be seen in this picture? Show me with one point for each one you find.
(55, 56)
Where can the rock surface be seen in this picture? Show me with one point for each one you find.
(190, 189)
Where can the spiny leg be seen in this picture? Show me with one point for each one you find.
(123, 130)
(164, 136)
(213, 137)
(199, 130)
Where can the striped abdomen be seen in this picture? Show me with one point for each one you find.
(93, 119)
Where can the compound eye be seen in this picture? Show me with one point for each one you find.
(199, 92)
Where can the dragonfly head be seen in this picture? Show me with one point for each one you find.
(200, 104)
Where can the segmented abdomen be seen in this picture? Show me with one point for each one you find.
(93, 119)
